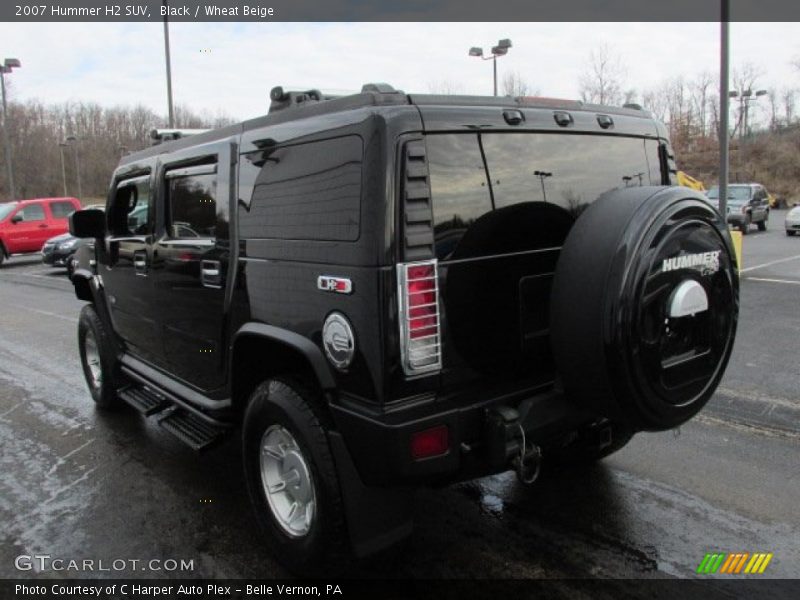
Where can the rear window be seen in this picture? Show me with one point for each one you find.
(6, 208)
(472, 175)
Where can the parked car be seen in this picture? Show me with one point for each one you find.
(792, 222)
(389, 290)
(59, 251)
(25, 225)
(748, 203)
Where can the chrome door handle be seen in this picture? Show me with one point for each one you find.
(211, 273)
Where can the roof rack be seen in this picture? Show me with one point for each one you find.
(281, 99)
(167, 135)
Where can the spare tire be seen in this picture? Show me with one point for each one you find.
(644, 306)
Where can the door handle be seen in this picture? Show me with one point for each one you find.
(211, 273)
(43, 226)
(140, 262)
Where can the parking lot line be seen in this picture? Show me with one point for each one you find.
(768, 280)
(769, 264)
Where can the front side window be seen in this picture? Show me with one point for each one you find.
(61, 210)
(32, 212)
(193, 206)
(130, 210)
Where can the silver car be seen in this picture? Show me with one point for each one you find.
(793, 221)
(747, 203)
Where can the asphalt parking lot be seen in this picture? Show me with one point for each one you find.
(77, 483)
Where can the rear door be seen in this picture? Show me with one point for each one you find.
(503, 204)
(191, 260)
(60, 210)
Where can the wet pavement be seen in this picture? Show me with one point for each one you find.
(78, 483)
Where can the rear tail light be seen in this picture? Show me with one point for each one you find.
(420, 340)
(431, 442)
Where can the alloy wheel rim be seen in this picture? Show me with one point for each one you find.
(93, 360)
(287, 482)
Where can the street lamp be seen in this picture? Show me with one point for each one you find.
(165, 4)
(746, 99)
(61, 146)
(542, 175)
(70, 140)
(8, 65)
(500, 50)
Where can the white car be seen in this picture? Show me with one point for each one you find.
(793, 221)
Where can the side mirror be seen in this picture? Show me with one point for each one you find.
(17, 218)
(90, 223)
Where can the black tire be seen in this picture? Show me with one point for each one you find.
(90, 326)
(762, 225)
(324, 548)
(70, 266)
(745, 226)
(618, 351)
(2, 254)
(789, 233)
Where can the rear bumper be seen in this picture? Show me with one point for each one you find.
(478, 445)
(737, 218)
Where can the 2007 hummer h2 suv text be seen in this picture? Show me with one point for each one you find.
(383, 291)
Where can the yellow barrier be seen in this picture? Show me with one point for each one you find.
(736, 236)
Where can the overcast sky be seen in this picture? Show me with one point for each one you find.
(230, 68)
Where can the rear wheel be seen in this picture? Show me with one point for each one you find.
(790, 233)
(291, 478)
(2, 254)
(745, 226)
(98, 359)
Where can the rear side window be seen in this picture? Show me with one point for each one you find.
(61, 210)
(308, 191)
(129, 213)
(32, 212)
(192, 202)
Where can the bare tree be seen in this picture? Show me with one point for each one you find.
(700, 89)
(445, 86)
(515, 85)
(789, 97)
(603, 79)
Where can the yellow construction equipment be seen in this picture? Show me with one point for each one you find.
(688, 181)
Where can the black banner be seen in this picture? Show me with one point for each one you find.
(333, 589)
(395, 10)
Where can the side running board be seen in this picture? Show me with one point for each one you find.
(199, 433)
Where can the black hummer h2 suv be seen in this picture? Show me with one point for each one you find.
(389, 290)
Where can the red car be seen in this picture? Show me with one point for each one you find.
(25, 225)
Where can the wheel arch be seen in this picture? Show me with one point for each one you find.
(260, 351)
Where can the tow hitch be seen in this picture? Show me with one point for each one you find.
(507, 444)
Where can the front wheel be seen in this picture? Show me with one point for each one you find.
(292, 480)
(762, 225)
(789, 233)
(97, 358)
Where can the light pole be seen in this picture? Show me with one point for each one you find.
(70, 139)
(8, 65)
(500, 50)
(61, 146)
(542, 175)
(169, 68)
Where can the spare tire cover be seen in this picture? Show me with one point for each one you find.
(632, 340)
